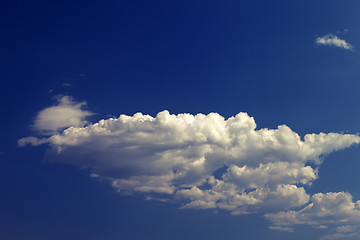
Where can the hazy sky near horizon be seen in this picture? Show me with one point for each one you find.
(180, 120)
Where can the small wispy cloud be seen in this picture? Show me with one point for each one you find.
(332, 40)
(66, 84)
(343, 31)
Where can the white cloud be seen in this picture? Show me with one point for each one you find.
(270, 174)
(324, 210)
(332, 40)
(66, 113)
(175, 156)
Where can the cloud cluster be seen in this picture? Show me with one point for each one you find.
(204, 162)
(332, 40)
(324, 209)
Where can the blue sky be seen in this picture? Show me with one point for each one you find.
(286, 168)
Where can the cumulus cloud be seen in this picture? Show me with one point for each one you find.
(332, 40)
(323, 210)
(67, 112)
(202, 161)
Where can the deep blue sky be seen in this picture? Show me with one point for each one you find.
(125, 57)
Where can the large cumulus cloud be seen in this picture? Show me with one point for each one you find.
(202, 161)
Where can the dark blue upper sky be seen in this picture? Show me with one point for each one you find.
(123, 57)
